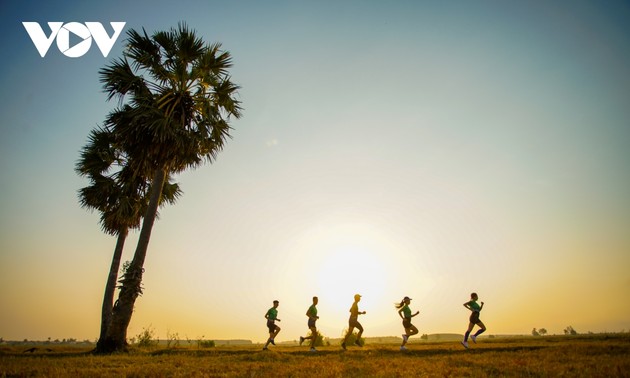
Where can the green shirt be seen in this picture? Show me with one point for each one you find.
(407, 312)
(474, 305)
(312, 311)
(272, 314)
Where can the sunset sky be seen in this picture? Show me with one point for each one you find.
(387, 148)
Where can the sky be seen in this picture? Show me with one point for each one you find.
(405, 148)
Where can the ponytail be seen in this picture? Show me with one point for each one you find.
(400, 305)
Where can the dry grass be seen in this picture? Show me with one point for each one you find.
(581, 356)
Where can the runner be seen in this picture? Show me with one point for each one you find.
(405, 313)
(473, 306)
(272, 317)
(312, 318)
(353, 322)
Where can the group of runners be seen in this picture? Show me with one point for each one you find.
(404, 311)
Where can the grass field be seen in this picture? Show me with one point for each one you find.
(552, 356)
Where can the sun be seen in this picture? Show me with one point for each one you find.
(348, 259)
(349, 270)
(336, 260)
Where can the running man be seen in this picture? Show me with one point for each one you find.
(405, 313)
(312, 318)
(353, 322)
(272, 317)
(473, 306)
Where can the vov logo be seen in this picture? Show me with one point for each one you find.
(61, 32)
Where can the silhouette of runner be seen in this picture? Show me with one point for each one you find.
(312, 318)
(353, 322)
(405, 313)
(272, 317)
(473, 306)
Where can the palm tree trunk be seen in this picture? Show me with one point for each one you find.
(116, 339)
(110, 287)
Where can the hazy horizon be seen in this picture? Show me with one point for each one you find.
(425, 149)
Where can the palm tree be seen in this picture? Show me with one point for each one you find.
(177, 99)
(120, 198)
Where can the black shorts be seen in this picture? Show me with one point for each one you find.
(407, 323)
(474, 317)
(271, 325)
(354, 322)
(311, 323)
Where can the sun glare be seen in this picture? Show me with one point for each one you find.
(347, 259)
(350, 270)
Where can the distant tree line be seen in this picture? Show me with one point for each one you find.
(570, 331)
(542, 331)
(539, 332)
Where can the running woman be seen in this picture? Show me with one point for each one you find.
(473, 306)
(312, 318)
(405, 313)
(272, 317)
(353, 322)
